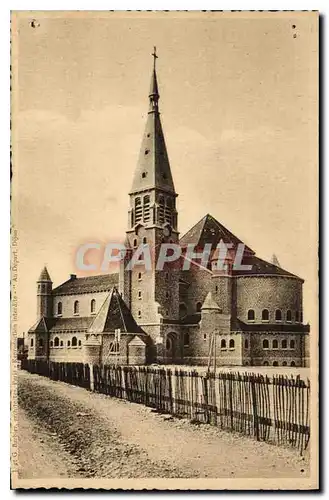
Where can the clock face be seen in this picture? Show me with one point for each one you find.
(167, 231)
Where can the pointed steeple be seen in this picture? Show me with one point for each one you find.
(153, 168)
(275, 260)
(44, 275)
(209, 303)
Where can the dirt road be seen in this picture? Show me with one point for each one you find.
(66, 431)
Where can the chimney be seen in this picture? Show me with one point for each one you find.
(73, 276)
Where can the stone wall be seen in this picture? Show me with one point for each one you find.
(200, 283)
(280, 355)
(84, 304)
(268, 292)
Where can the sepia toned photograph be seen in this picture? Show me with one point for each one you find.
(164, 250)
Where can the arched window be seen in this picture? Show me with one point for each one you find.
(138, 210)
(68, 343)
(76, 307)
(284, 363)
(93, 305)
(246, 344)
(265, 344)
(139, 294)
(275, 344)
(223, 344)
(216, 288)
(232, 344)
(297, 316)
(61, 343)
(265, 315)
(275, 363)
(51, 343)
(79, 343)
(144, 240)
(251, 315)
(74, 341)
(139, 276)
(59, 308)
(182, 310)
(139, 314)
(146, 202)
(292, 344)
(56, 342)
(278, 315)
(186, 339)
(265, 363)
(40, 342)
(289, 316)
(284, 344)
(31, 343)
(114, 347)
(168, 344)
(135, 243)
(293, 363)
(198, 306)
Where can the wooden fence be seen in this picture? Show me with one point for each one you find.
(274, 409)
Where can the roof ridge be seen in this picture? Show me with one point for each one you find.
(117, 296)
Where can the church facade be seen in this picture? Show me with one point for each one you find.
(181, 314)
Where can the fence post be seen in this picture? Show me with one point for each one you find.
(91, 377)
(254, 406)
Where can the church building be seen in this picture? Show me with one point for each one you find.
(178, 314)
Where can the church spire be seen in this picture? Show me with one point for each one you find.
(154, 90)
(153, 168)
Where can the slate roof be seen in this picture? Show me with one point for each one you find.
(191, 319)
(153, 166)
(52, 325)
(114, 314)
(71, 324)
(239, 325)
(44, 275)
(41, 326)
(87, 284)
(209, 230)
(210, 303)
(262, 267)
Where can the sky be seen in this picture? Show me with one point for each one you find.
(238, 102)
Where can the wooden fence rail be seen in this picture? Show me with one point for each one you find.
(274, 409)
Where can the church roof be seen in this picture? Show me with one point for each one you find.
(41, 326)
(114, 314)
(262, 267)
(209, 230)
(209, 303)
(71, 324)
(153, 168)
(87, 284)
(239, 325)
(44, 275)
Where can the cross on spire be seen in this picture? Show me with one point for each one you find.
(154, 54)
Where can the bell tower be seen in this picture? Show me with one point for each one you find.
(153, 295)
(44, 297)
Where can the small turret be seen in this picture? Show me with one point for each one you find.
(275, 260)
(44, 295)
